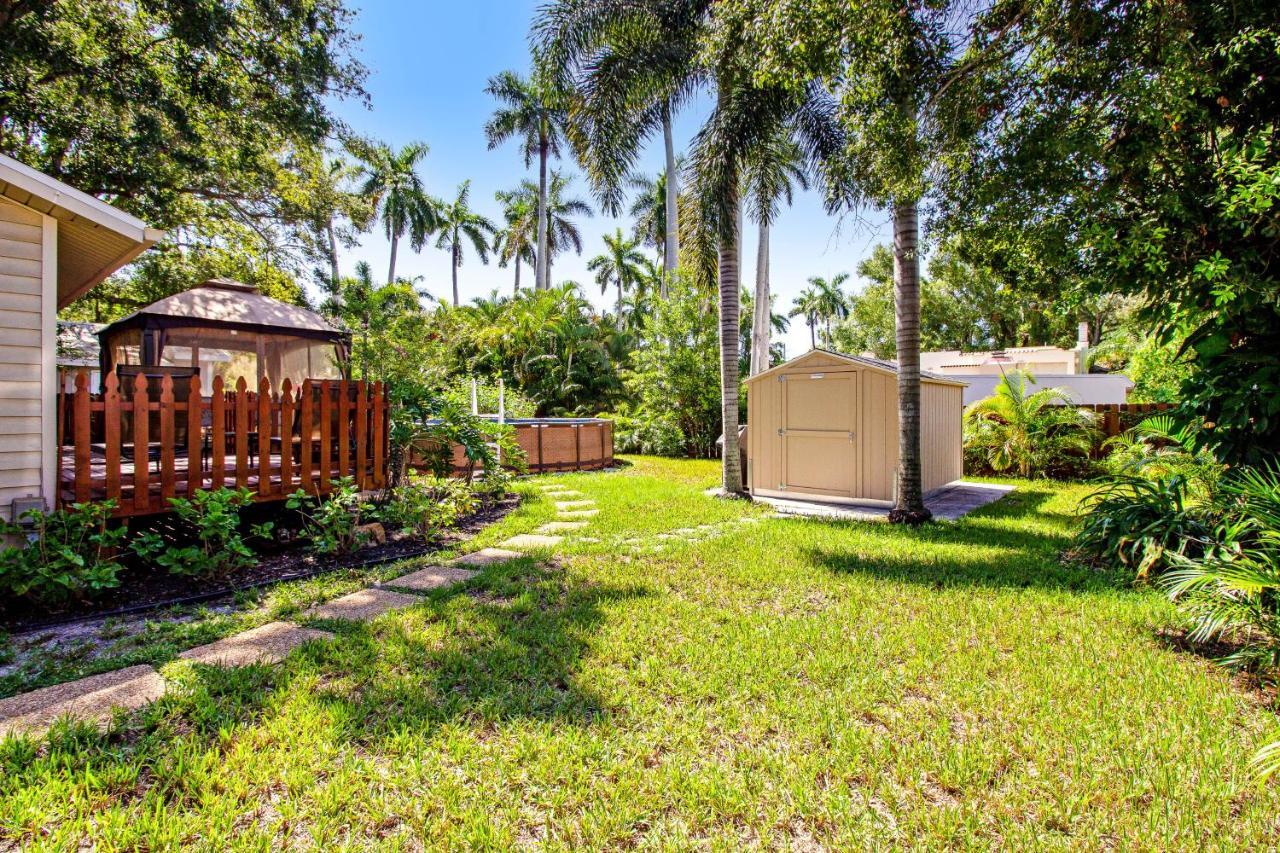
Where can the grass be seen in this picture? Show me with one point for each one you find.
(783, 683)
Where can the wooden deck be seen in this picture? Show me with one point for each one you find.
(346, 423)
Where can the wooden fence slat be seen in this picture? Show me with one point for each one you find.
(141, 445)
(362, 435)
(242, 434)
(286, 437)
(326, 434)
(217, 436)
(344, 429)
(379, 437)
(111, 435)
(195, 436)
(265, 435)
(81, 435)
(166, 440)
(306, 428)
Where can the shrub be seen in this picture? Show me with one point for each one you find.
(214, 520)
(1157, 448)
(1034, 432)
(333, 523)
(424, 506)
(641, 431)
(69, 555)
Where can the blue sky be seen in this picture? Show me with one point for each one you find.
(428, 66)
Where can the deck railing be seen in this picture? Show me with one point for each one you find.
(271, 441)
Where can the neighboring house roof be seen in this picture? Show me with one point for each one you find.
(223, 302)
(861, 360)
(952, 360)
(78, 344)
(94, 238)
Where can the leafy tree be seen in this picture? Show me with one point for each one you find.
(458, 225)
(532, 110)
(620, 265)
(371, 313)
(391, 181)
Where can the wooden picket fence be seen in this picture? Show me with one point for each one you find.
(273, 442)
(1115, 418)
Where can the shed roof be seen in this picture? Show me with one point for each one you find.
(94, 238)
(860, 360)
(223, 302)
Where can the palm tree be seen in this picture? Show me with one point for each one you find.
(532, 110)
(514, 244)
(1017, 427)
(562, 232)
(771, 171)
(829, 301)
(621, 265)
(806, 305)
(392, 182)
(629, 62)
(654, 225)
(459, 224)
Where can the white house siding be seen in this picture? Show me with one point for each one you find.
(28, 310)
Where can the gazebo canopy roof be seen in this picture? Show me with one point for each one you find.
(223, 303)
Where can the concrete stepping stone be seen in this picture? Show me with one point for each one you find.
(362, 605)
(571, 514)
(265, 644)
(532, 541)
(571, 505)
(560, 527)
(432, 577)
(567, 493)
(486, 557)
(552, 487)
(91, 699)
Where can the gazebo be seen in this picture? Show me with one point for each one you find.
(225, 328)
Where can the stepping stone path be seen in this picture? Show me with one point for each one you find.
(684, 535)
(95, 697)
(532, 541)
(560, 526)
(91, 699)
(266, 644)
(362, 605)
(432, 577)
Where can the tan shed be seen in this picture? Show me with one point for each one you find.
(825, 426)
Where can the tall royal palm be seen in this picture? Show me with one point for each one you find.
(514, 243)
(773, 171)
(533, 111)
(459, 225)
(806, 305)
(627, 61)
(391, 180)
(621, 265)
(829, 301)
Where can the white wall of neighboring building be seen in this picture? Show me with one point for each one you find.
(1085, 388)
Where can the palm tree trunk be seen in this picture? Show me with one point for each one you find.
(333, 257)
(543, 268)
(813, 332)
(729, 333)
(671, 249)
(909, 506)
(391, 270)
(457, 250)
(760, 315)
(619, 298)
(516, 290)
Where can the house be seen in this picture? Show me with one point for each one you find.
(56, 243)
(1051, 367)
(825, 425)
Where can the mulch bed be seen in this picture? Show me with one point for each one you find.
(147, 587)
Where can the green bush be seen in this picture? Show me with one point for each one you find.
(70, 554)
(333, 523)
(214, 520)
(425, 506)
(1030, 432)
(642, 431)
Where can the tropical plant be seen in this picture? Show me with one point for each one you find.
(426, 506)
(806, 305)
(458, 225)
(515, 242)
(67, 553)
(1027, 430)
(563, 233)
(620, 265)
(1159, 447)
(391, 181)
(333, 523)
(217, 547)
(829, 302)
(772, 172)
(532, 110)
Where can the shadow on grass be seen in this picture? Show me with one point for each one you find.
(1017, 542)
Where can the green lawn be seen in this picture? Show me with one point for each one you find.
(783, 683)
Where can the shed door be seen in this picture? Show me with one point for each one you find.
(819, 438)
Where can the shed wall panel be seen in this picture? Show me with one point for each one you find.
(21, 335)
